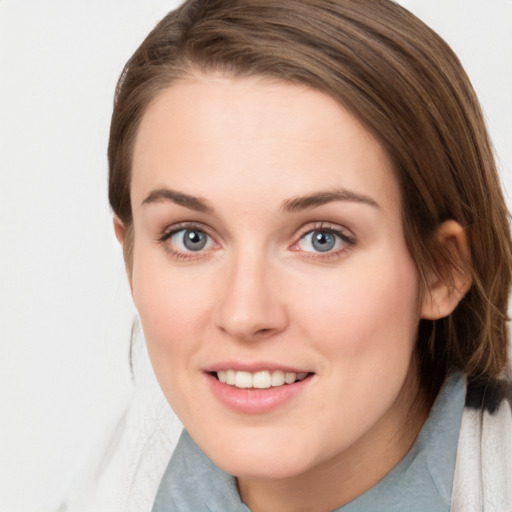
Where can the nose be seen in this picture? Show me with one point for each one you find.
(251, 304)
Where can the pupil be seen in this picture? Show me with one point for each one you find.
(194, 240)
(323, 241)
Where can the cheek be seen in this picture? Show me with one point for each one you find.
(173, 316)
(367, 310)
(171, 304)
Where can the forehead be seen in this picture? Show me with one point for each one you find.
(272, 136)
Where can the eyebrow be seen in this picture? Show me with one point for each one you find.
(294, 204)
(316, 199)
(197, 204)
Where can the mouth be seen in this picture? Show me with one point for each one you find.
(258, 380)
(257, 390)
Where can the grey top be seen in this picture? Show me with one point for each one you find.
(422, 481)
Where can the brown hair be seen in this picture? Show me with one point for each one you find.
(406, 85)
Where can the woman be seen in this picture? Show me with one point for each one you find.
(319, 251)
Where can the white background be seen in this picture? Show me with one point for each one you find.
(65, 310)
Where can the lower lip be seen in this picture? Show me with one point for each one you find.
(255, 401)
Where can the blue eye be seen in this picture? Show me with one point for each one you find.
(190, 240)
(321, 241)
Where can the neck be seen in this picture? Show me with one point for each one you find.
(341, 479)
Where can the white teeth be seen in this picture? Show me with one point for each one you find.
(289, 378)
(277, 378)
(230, 377)
(243, 380)
(259, 380)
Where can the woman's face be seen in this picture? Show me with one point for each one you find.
(269, 249)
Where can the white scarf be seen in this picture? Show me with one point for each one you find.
(483, 469)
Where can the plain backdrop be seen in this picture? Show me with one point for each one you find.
(65, 309)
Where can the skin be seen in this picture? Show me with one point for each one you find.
(260, 291)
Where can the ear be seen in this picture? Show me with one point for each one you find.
(126, 241)
(119, 229)
(448, 283)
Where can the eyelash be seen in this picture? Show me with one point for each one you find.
(169, 232)
(348, 241)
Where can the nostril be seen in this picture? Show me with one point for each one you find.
(246, 319)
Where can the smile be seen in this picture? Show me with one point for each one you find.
(259, 380)
(257, 392)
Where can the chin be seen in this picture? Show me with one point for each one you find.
(269, 470)
(263, 460)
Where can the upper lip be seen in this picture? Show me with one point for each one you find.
(253, 367)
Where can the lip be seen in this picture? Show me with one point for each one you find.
(255, 401)
(253, 367)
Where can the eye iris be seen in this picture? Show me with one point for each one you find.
(323, 241)
(194, 240)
